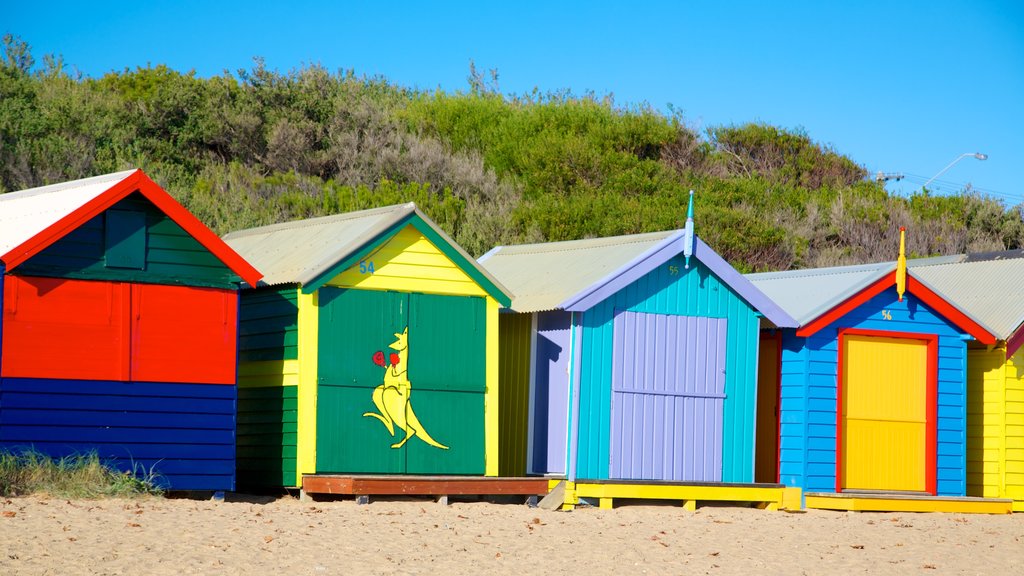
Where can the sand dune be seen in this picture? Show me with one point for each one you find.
(159, 536)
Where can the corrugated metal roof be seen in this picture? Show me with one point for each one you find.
(300, 252)
(543, 276)
(297, 252)
(987, 287)
(26, 213)
(808, 293)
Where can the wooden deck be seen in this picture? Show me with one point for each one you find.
(689, 494)
(876, 502)
(364, 486)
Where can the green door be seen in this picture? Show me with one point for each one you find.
(447, 360)
(401, 383)
(354, 326)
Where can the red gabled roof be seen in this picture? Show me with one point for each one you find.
(915, 287)
(95, 205)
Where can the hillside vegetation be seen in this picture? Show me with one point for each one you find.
(260, 146)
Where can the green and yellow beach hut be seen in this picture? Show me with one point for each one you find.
(370, 347)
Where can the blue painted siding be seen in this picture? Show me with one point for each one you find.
(693, 292)
(808, 389)
(184, 433)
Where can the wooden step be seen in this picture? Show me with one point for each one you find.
(689, 494)
(439, 486)
(881, 502)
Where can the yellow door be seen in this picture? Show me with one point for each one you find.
(885, 383)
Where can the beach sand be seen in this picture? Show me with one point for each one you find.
(254, 536)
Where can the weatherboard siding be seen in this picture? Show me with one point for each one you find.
(1014, 420)
(808, 393)
(267, 436)
(268, 324)
(268, 378)
(671, 289)
(182, 433)
(171, 255)
(409, 262)
(995, 432)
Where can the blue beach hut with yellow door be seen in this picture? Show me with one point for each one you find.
(871, 387)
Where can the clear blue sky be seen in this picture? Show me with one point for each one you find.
(899, 86)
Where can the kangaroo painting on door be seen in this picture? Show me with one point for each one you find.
(393, 398)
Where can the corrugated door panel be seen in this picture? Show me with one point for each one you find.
(68, 329)
(183, 334)
(514, 400)
(551, 398)
(767, 455)
(354, 325)
(884, 413)
(668, 387)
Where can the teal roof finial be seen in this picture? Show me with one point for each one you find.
(688, 237)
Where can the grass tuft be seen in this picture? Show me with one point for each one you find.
(75, 476)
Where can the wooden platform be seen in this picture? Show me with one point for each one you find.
(859, 502)
(767, 496)
(437, 486)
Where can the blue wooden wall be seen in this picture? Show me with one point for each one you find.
(671, 289)
(808, 394)
(184, 433)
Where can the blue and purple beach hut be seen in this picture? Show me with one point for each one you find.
(631, 357)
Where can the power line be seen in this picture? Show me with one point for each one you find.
(959, 186)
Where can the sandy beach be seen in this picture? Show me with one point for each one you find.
(40, 535)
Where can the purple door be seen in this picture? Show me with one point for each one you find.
(668, 385)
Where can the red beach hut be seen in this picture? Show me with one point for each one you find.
(119, 330)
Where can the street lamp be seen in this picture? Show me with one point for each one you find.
(977, 155)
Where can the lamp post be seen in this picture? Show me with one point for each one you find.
(977, 155)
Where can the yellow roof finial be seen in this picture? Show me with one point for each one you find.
(901, 266)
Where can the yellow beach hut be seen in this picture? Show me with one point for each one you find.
(990, 287)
